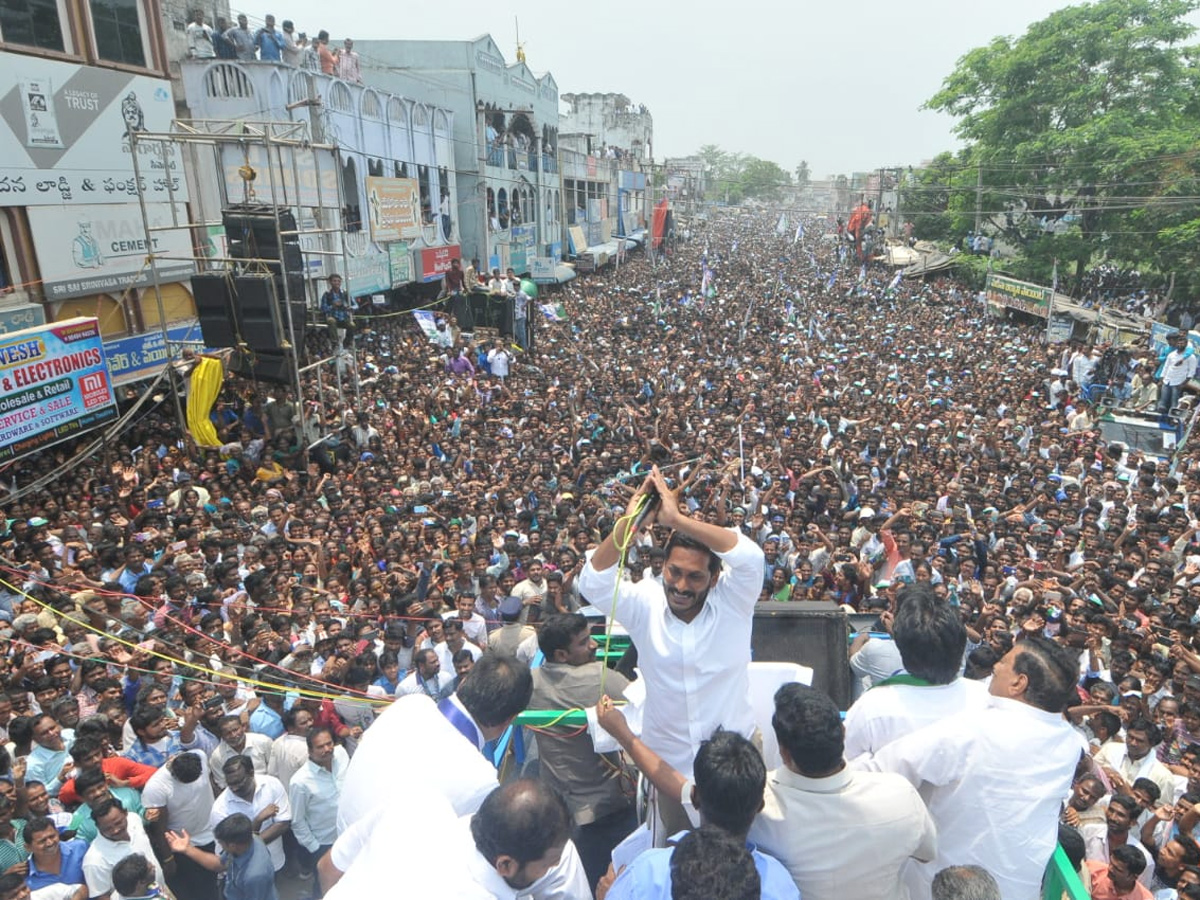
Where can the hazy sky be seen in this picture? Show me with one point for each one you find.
(837, 84)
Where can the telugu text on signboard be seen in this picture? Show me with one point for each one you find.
(393, 209)
(54, 384)
(1030, 298)
(64, 135)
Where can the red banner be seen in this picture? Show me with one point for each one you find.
(659, 222)
(435, 261)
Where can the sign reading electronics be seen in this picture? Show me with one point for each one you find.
(64, 135)
(55, 384)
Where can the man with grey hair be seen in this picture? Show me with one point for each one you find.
(965, 883)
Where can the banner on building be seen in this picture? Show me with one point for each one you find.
(400, 263)
(64, 134)
(369, 273)
(521, 247)
(289, 176)
(393, 209)
(435, 261)
(29, 315)
(1021, 295)
(54, 384)
(142, 355)
(542, 269)
(1059, 329)
(84, 250)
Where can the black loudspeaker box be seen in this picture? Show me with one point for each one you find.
(811, 634)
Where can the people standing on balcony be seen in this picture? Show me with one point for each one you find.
(242, 39)
(221, 44)
(292, 50)
(269, 42)
(328, 60)
(493, 144)
(310, 60)
(348, 68)
(200, 38)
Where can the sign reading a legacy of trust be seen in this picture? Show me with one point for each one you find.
(54, 383)
(64, 134)
(393, 209)
(1029, 298)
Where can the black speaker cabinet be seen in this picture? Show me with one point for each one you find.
(811, 634)
(214, 307)
(264, 366)
(256, 311)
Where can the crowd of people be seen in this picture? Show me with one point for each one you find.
(271, 44)
(219, 662)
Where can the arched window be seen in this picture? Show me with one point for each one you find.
(353, 211)
(397, 113)
(225, 81)
(502, 208)
(300, 87)
(370, 105)
(340, 98)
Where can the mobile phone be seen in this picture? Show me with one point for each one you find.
(420, 510)
(179, 545)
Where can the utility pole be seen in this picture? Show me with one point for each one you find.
(978, 195)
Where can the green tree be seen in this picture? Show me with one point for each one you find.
(1066, 126)
(935, 198)
(734, 177)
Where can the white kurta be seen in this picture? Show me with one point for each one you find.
(404, 739)
(696, 672)
(995, 780)
(855, 829)
(884, 714)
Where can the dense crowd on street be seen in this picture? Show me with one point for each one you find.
(219, 662)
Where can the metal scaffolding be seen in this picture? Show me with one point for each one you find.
(222, 158)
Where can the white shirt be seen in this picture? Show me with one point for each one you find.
(188, 806)
(851, 828)
(315, 792)
(289, 752)
(696, 672)
(876, 660)
(441, 685)
(1116, 756)
(257, 747)
(475, 628)
(103, 855)
(461, 775)
(267, 790)
(883, 714)
(1096, 847)
(446, 656)
(393, 840)
(994, 780)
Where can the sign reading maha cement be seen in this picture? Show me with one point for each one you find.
(55, 384)
(1029, 298)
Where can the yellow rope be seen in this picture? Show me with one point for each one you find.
(623, 547)
(274, 688)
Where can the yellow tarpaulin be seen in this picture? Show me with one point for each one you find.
(207, 378)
